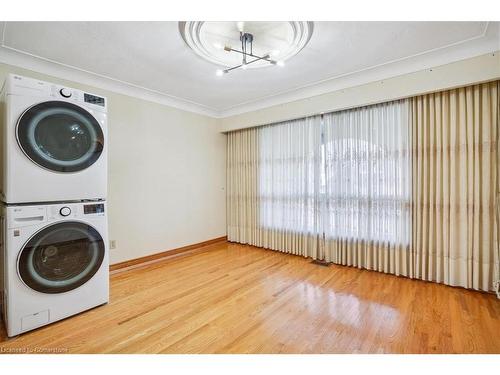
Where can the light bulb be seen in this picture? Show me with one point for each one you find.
(275, 52)
(219, 72)
(244, 66)
(218, 45)
(280, 63)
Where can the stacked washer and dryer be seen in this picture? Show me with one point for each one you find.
(53, 172)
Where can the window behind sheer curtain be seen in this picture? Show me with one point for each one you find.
(367, 172)
(345, 175)
(289, 176)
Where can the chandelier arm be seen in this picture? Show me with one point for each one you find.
(252, 55)
(258, 59)
(251, 62)
(233, 68)
(239, 66)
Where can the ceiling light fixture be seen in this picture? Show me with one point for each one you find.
(247, 51)
(275, 41)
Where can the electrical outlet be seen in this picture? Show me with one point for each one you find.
(112, 244)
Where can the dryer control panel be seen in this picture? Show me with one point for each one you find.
(93, 99)
(19, 85)
(95, 208)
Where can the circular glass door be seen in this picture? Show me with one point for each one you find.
(61, 257)
(60, 136)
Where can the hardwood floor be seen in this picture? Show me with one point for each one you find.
(241, 299)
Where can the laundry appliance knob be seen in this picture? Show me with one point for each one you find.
(65, 92)
(65, 211)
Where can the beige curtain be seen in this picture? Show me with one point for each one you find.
(277, 196)
(455, 183)
(367, 212)
(242, 186)
(272, 186)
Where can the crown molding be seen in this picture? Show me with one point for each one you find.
(462, 50)
(12, 56)
(486, 42)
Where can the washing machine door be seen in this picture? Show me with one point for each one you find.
(61, 257)
(60, 136)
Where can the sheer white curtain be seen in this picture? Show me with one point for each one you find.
(366, 209)
(289, 179)
(273, 179)
(335, 187)
(289, 176)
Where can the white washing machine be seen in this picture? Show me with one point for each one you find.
(54, 262)
(54, 142)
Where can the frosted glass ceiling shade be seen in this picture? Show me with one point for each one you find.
(281, 40)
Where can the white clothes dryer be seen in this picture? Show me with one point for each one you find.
(53, 143)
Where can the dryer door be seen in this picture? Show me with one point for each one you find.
(61, 257)
(60, 136)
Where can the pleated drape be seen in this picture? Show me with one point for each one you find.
(272, 186)
(367, 210)
(455, 183)
(242, 186)
(408, 187)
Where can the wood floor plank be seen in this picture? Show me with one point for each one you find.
(240, 299)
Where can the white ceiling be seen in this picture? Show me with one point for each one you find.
(151, 60)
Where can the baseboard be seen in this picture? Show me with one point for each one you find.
(137, 262)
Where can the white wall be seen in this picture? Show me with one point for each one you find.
(461, 73)
(166, 174)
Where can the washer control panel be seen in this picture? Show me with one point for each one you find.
(23, 216)
(75, 210)
(62, 211)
